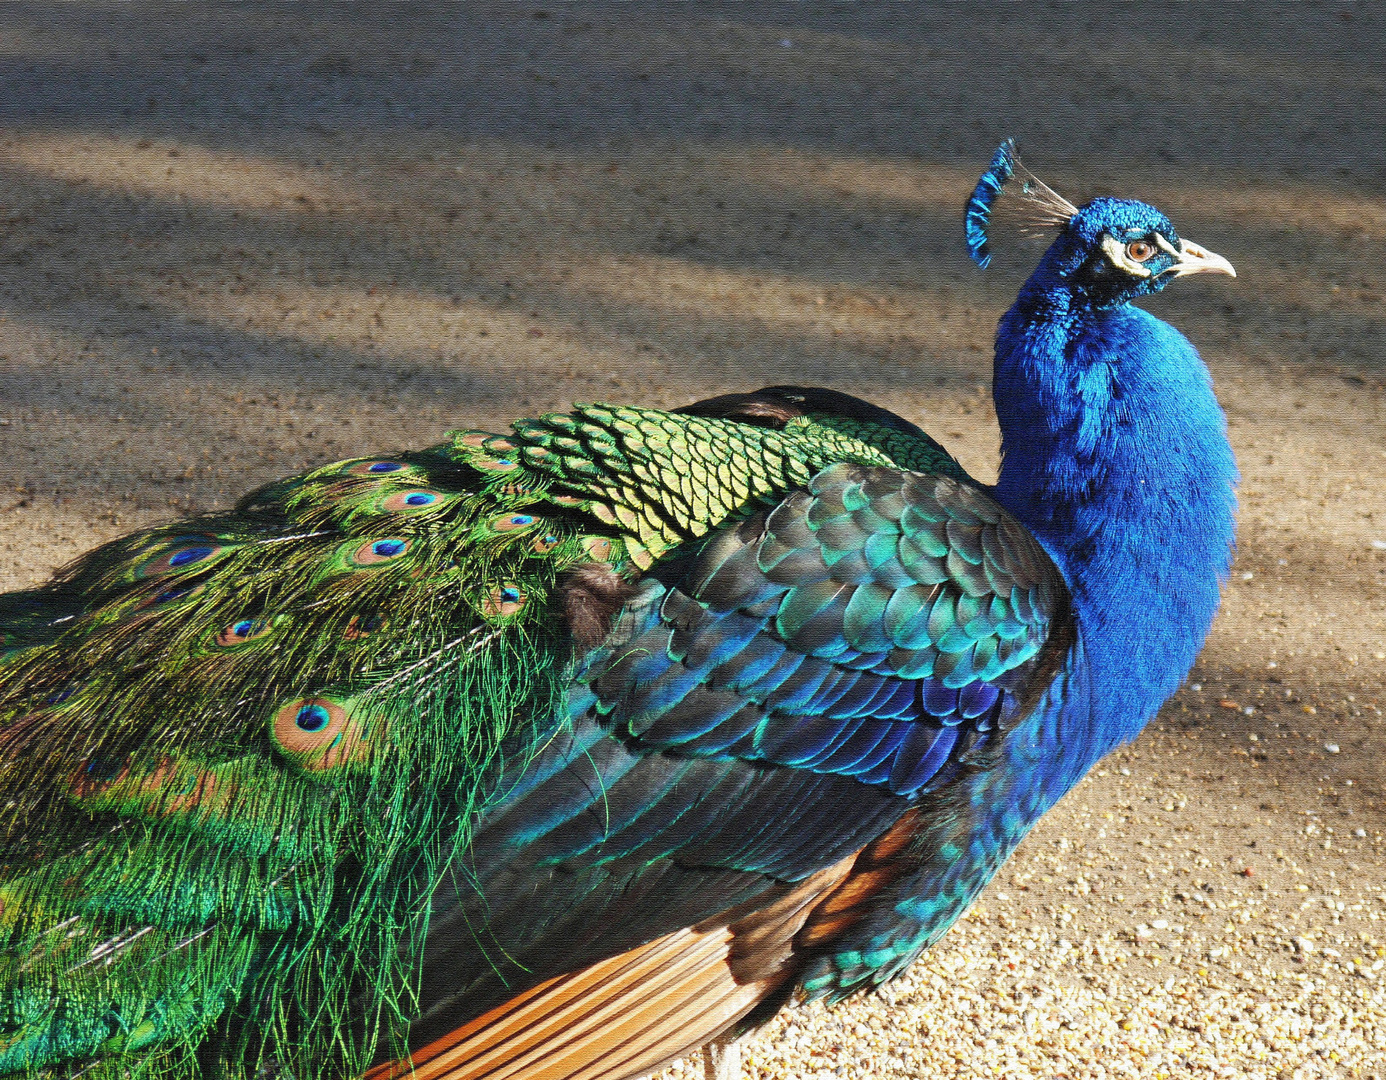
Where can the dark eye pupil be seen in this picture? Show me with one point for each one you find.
(312, 718)
(189, 555)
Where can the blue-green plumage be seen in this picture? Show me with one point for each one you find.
(308, 784)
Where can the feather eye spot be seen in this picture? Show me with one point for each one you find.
(503, 600)
(494, 464)
(512, 522)
(376, 467)
(106, 768)
(375, 552)
(410, 501)
(309, 716)
(185, 554)
(98, 774)
(167, 787)
(544, 544)
(242, 632)
(359, 626)
(188, 556)
(317, 732)
(59, 696)
(320, 733)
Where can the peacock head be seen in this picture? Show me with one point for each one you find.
(1108, 253)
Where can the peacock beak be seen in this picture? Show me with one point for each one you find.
(1193, 259)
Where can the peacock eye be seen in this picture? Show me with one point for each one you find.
(1140, 250)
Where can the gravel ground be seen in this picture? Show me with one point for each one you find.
(273, 236)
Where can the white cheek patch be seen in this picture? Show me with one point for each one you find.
(1116, 251)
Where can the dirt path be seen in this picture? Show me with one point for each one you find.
(237, 247)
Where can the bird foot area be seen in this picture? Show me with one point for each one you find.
(279, 236)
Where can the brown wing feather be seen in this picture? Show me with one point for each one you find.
(632, 1013)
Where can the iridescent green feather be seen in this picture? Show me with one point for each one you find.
(236, 752)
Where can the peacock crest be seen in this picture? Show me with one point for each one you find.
(1038, 205)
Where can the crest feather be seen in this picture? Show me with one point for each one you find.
(1042, 205)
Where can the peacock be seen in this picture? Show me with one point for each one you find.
(565, 751)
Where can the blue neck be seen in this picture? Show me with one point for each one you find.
(1115, 455)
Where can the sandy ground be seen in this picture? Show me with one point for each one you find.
(242, 242)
